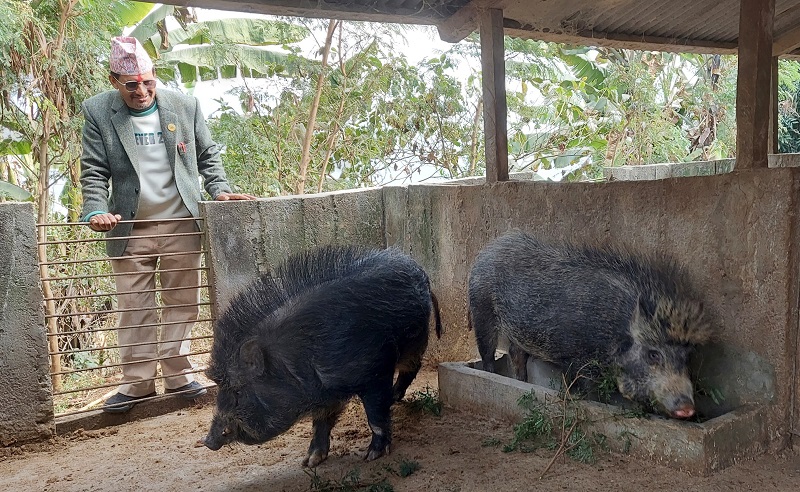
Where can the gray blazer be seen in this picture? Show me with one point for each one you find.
(109, 180)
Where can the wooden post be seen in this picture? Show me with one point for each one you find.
(494, 95)
(754, 83)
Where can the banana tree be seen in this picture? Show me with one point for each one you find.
(221, 48)
(378, 118)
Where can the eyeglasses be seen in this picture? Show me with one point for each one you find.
(133, 85)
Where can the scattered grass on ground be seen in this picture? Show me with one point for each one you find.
(352, 480)
(426, 401)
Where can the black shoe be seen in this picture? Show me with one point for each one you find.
(121, 403)
(189, 391)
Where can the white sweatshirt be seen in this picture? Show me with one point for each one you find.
(158, 196)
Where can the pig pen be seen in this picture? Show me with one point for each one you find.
(736, 233)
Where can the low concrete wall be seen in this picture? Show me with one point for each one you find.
(697, 448)
(26, 401)
(736, 234)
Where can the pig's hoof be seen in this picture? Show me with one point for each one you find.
(373, 454)
(314, 458)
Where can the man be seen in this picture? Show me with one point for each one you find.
(143, 154)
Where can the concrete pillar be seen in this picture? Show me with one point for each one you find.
(26, 398)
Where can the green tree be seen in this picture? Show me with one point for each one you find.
(605, 107)
(789, 106)
(373, 115)
(49, 54)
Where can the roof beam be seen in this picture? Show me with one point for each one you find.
(789, 40)
(461, 24)
(306, 8)
(598, 38)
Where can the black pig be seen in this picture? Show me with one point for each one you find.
(328, 324)
(581, 308)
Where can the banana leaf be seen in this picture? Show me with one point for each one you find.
(14, 192)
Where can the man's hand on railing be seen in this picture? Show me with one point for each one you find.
(104, 222)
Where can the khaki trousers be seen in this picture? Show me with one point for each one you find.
(177, 322)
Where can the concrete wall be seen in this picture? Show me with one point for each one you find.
(736, 234)
(26, 402)
(249, 238)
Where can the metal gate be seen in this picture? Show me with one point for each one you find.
(80, 305)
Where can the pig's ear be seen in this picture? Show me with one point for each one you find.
(639, 327)
(637, 316)
(644, 324)
(252, 356)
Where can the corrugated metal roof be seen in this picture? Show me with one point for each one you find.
(685, 24)
(675, 25)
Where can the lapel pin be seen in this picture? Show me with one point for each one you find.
(171, 127)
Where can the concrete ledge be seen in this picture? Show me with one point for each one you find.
(649, 172)
(783, 160)
(696, 448)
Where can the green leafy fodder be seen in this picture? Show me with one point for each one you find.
(626, 437)
(535, 431)
(491, 442)
(715, 394)
(582, 446)
(558, 426)
(607, 383)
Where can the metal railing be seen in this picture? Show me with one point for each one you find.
(81, 314)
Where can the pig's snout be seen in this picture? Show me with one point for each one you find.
(679, 406)
(217, 436)
(684, 411)
(675, 396)
(212, 444)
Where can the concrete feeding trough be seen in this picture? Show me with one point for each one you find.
(698, 448)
